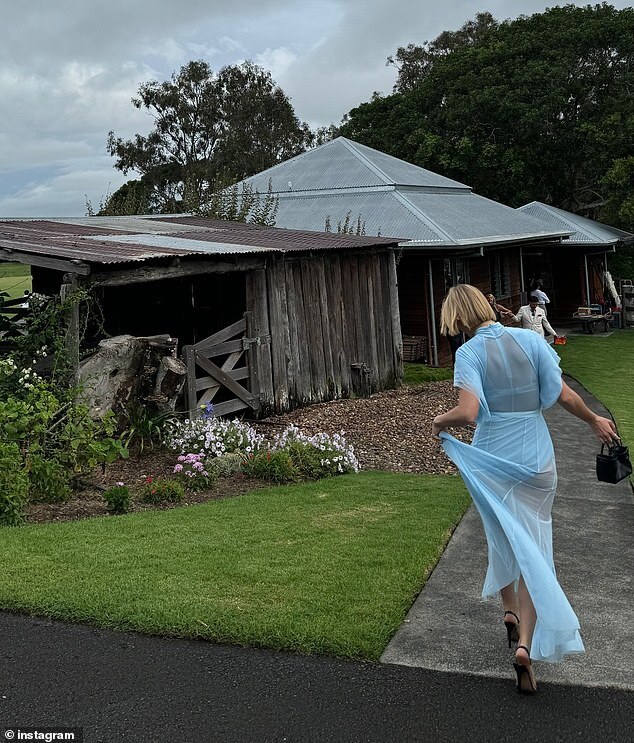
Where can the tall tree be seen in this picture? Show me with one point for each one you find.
(535, 108)
(414, 62)
(208, 128)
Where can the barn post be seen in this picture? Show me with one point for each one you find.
(257, 306)
(68, 290)
(280, 336)
(252, 342)
(397, 337)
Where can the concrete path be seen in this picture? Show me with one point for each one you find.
(450, 628)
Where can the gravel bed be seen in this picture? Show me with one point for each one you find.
(390, 430)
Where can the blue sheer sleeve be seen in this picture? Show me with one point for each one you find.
(467, 375)
(549, 373)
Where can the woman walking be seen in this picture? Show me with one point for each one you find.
(506, 377)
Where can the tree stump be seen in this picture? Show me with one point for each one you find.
(170, 380)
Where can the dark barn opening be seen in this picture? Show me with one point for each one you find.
(189, 309)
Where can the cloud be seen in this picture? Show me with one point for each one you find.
(277, 61)
(69, 69)
(64, 190)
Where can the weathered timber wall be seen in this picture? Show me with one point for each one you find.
(334, 327)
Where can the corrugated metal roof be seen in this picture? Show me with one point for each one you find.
(392, 196)
(380, 210)
(94, 240)
(584, 231)
(432, 219)
(184, 245)
(342, 163)
(466, 218)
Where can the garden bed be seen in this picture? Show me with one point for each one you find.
(390, 431)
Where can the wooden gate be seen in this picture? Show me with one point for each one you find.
(10, 311)
(228, 346)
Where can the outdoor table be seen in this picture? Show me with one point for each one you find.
(588, 322)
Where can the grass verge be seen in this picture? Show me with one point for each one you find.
(420, 373)
(605, 367)
(326, 567)
(14, 279)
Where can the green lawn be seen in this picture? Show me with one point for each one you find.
(420, 373)
(14, 278)
(325, 567)
(605, 367)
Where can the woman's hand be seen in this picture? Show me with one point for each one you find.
(605, 430)
(464, 414)
(437, 426)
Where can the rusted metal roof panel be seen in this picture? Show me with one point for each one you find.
(95, 240)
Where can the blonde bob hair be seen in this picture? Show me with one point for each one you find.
(463, 310)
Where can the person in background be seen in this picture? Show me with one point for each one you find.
(532, 317)
(542, 297)
(455, 341)
(499, 310)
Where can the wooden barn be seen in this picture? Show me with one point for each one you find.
(267, 319)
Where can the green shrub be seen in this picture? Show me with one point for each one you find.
(48, 480)
(162, 490)
(309, 461)
(226, 465)
(14, 485)
(317, 456)
(118, 499)
(144, 428)
(46, 421)
(272, 466)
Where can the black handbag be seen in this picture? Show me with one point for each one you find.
(615, 465)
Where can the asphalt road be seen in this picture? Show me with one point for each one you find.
(128, 687)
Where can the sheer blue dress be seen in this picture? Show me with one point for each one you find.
(509, 469)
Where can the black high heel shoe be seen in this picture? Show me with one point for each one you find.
(525, 672)
(512, 628)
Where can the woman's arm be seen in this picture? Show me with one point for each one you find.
(464, 414)
(604, 428)
(504, 310)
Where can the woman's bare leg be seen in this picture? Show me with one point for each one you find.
(509, 600)
(527, 627)
(527, 614)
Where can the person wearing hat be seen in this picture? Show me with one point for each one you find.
(532, 317)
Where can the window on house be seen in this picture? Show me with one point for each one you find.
(456, 272)
(500, 275)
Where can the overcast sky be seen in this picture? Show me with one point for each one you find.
(69, 69)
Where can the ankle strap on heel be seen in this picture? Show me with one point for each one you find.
(513, 613)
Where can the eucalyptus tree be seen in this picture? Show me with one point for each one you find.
(208, 128)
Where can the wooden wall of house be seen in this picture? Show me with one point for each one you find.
(334, 327)
(414, 296)
(413, 293)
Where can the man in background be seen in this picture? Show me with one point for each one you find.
(542, 297)
(532, 317)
